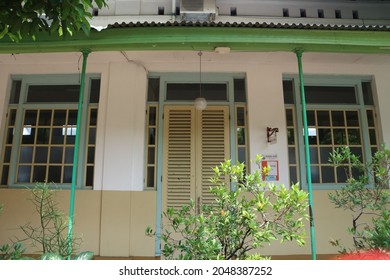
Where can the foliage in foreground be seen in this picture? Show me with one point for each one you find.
(254, 214)
(25, 18)
(50, 235)
(366, 194)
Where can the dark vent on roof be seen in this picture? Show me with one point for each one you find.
(192, 5)
(233, 11)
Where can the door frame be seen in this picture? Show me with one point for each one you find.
(175, 77)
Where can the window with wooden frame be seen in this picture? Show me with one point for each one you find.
(340, 112)
(40, 131)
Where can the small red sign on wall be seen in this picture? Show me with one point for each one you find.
(273, 174)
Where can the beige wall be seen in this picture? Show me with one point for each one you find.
(113, 217)
(110, 223)
(113, 223)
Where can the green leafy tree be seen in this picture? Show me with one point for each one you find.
(254, 214)
(50, 234)
(25, 18)
(366, 194)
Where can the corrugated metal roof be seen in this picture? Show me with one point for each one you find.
(309, 26)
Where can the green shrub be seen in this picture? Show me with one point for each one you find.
(365, 194)
(50, 235)
(253, 214)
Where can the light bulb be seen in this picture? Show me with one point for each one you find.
(200, 103)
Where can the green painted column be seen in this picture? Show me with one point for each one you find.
(307, 152)
(76, 152)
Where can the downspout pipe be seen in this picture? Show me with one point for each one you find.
(85, 54)
(299, 53)
(173, 8)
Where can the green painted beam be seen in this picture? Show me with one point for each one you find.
(207, 38)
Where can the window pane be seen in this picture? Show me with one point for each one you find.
(53, 93)
(39, 174)
(68, 174)
(150, 177)
(311, 120)
(288, 93)
(59, 117)
(152, 115)
(57, 136)
(28, 136)
(354, 137)
(153, 89)
(89, 176)
(151, 157)
(240, 116)
(91, 136)
(339, 137)
(91, 155)
(54, 174)
(187, 92)
(341, 174)
(4, 175)
(24, 173)
(43, 136)
(93, 117)
(10, 136)
(71, 134)
(357, 151)
(372, 136)
(293, 174)
(7, 154)
(95, 91)
(242, 154)
(338, 118)
(69, 152)
(30, 117)
(241, 136)
(323, 118)
(41, 154)
(26, 154)
(291, 155)
(312, 131)
(72, 117)
(352, 118)
(289, 117)
(239, 90)
(56, 155)
(290, 136)
(367, 93)
(315, 174)
(152, 136)
(330, 95)
(325, 154)
(313, 155)
(327, 174)
(370, 118)
(12, 117)
(45, 117)
(15, 92)
(325, 136)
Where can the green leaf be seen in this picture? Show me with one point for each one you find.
(51, 256)
(86, 255)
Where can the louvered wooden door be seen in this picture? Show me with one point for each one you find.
(194, 142)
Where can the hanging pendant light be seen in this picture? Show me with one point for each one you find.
(200, 102)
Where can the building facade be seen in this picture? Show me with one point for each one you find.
(143, 144)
